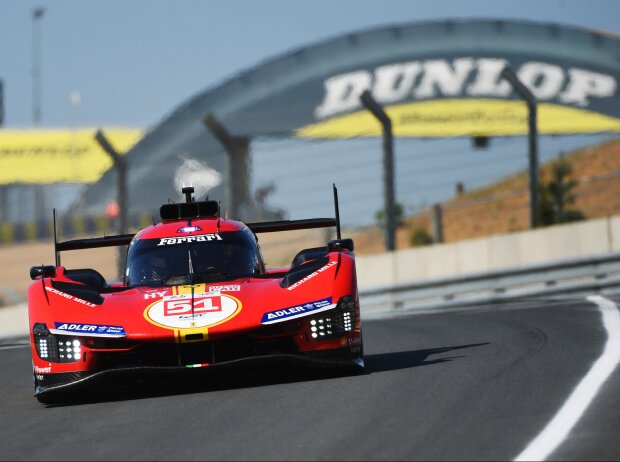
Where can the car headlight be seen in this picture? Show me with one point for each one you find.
(56, 348)
(69, 349)
(334, 323)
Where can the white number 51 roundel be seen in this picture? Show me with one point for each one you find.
(176, 311)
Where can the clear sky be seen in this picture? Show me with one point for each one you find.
(134, 61)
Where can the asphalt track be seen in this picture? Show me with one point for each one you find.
(478, 384)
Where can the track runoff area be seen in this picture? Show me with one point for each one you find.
(528, 380)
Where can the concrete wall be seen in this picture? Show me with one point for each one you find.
(558, 242)
(580, 239)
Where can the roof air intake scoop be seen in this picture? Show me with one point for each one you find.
(188, 191)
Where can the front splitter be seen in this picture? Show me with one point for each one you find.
(75, 381)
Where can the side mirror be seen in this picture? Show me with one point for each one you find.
(42, 271)
(338, 244)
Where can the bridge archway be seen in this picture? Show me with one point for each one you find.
(436, 79)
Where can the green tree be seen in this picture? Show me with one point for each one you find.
(399, 213)
(420, 237)
(556, 196)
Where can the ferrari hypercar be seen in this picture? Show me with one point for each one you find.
(195, 294)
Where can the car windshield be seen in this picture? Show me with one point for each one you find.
(192, 259)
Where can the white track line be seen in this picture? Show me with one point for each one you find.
(13, 347)
(560, 426)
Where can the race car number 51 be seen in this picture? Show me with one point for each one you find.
(184, 306)
(186, 312)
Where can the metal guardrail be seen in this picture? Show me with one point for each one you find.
(584, 275)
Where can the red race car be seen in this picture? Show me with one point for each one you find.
(195, 294)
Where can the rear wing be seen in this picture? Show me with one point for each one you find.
(90, 243)
(290, 225)
(263, 227)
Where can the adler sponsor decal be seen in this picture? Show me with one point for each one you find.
(69, 297)
(461, 77)
(312, 275)
(297, 311)
(90, 329)
(188, 239)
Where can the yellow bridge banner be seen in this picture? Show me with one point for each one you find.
(62, 155)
